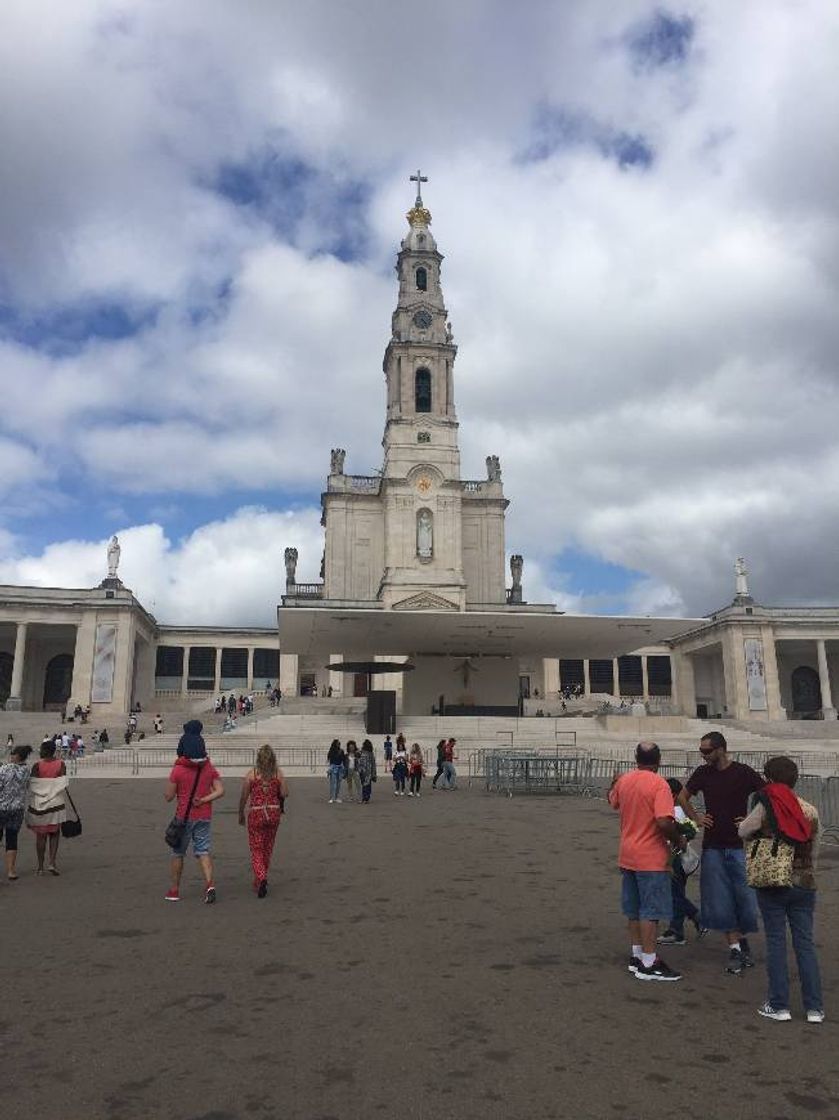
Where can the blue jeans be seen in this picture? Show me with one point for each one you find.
(449, 776)
(728, 902)
(682, 905)
(645, 895)
(336, 773)
(795, 905)
(197, 833)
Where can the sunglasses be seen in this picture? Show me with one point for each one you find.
(706, 751)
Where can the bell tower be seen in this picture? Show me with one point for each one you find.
(421, 484)
(419, 360)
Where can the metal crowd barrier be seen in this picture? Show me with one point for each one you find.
(134, 760)
(524, 772)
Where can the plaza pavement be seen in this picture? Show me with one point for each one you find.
(460, 956)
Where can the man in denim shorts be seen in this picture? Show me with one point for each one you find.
(645, 803)
(192, 763)
(728, 902)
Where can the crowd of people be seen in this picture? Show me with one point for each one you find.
(774, 876)
(778, 880)
(347, 765)
(234, 705)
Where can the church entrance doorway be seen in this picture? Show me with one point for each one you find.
(58, 682)
(360, 684)
(806, 690)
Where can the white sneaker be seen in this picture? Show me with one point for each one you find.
(417, 795)
(410, 793)
(769, 1012)
(338, 801)
(331, 800)
(815, 1016)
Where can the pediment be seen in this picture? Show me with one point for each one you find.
(424, 601)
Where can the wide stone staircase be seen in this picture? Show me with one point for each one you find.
(302, 738)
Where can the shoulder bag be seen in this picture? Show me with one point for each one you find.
(70, 829)
(769, 859)
(177, 826)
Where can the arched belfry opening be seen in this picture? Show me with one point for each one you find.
(422, 390)
(422, 279)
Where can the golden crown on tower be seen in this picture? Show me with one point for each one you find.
(419, 216)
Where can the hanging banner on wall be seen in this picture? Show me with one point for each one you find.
(755, 674)
(104, 663)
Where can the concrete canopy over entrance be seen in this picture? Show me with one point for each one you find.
(487, 633)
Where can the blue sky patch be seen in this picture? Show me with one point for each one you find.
(301, 203)
(604, 585)
(662, 40)
(66, 330)
(556, 128)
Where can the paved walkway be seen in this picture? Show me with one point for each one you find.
(457, 957)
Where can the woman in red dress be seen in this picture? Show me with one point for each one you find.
(264, 791)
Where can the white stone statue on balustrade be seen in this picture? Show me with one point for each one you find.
(336, 460)
(290, 557)
(114, 552)
(516, 567)
(741, 578)
(493, 468)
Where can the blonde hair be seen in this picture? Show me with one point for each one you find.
(266, 762)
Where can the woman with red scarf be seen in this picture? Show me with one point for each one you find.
(779, 811)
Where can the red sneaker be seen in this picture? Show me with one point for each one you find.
(172, 896)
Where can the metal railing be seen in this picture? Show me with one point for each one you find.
(522, 771)
(135, 760)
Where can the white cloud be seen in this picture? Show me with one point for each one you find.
(227, 573)
(652, 353)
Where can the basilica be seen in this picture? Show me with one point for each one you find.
(414, 609)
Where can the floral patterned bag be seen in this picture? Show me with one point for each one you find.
(769, 862)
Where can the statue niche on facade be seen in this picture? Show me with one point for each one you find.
(336, 460)
(425, 535)
(493, 468)
(290, 557)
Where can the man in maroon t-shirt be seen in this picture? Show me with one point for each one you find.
(728, 902)
(196, 771)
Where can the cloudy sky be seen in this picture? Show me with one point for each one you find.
(201, 204)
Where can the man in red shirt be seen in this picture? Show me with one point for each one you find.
(193, 769)
(645, 803)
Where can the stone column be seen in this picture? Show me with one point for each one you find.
(289, 685)
(15, 701)
(250, 668)
(828, 711)
(645, 678)
(550, 676)
(83, 661)
(586, 678)
(734, 667)
(336, 680)
(616, 677)
(217, 678)
(185, 671)
(683, 687)
(773, 680)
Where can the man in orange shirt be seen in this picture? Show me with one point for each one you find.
(645, 803)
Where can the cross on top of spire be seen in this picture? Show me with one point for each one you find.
(419, 179)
